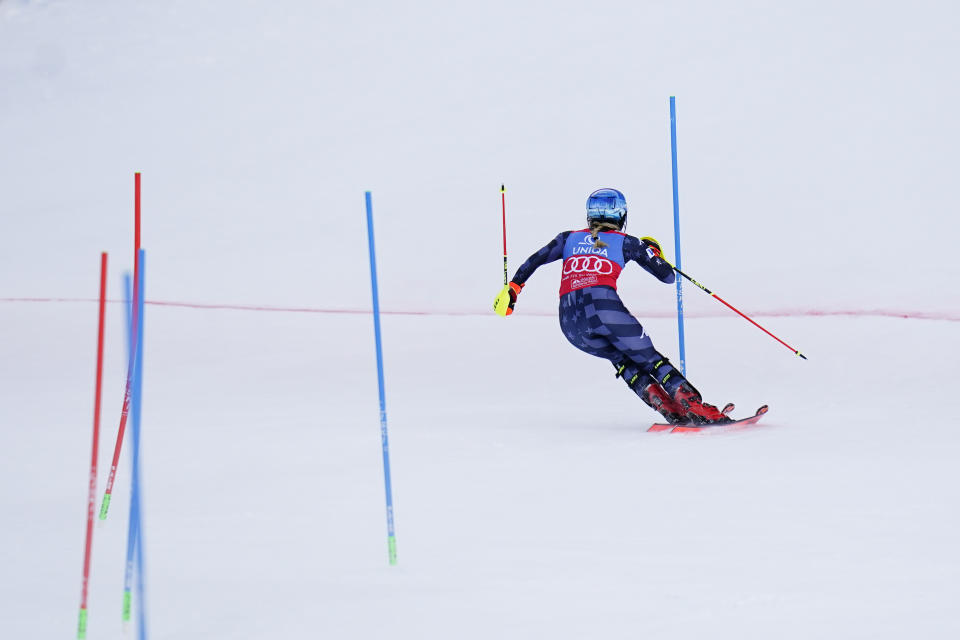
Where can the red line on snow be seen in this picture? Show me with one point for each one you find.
(777, 313)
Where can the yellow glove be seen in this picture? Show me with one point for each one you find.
(507, 298)
(653, 248)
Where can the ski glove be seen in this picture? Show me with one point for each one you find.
(652, 247)
(507, 298)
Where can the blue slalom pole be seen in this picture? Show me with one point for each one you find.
(391, 534)
(135, 546)
(134, 506)
(137, 469)
(676, 230)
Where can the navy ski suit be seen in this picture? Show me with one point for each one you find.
(592, 316)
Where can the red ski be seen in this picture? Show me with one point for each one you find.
(712, 428)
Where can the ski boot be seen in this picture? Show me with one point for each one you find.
(654, 395)
(697, 411)
(651, 393)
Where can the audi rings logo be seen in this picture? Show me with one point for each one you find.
(588, 264)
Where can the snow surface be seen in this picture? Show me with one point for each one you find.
(817, 171)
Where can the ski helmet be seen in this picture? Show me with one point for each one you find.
(607, 205)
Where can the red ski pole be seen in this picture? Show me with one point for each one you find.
(125, 411)
(503, 202)
(92, 493)
(739, 312)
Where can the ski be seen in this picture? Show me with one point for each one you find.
(714, 427)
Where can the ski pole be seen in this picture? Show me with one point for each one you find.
(503, 202)
(738, 311)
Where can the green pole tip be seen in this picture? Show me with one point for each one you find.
(127, 602)
(82, 625)
(104, 506)
(392, 546)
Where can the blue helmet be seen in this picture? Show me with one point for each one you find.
(607, 205)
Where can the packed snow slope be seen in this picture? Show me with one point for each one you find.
(817, 170)
(530, 501)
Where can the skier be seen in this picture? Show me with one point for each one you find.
(594, 319)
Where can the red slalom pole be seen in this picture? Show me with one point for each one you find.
(748, 318)
(128, 390)
(503, 202)
(92, 493)
(136, 223)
